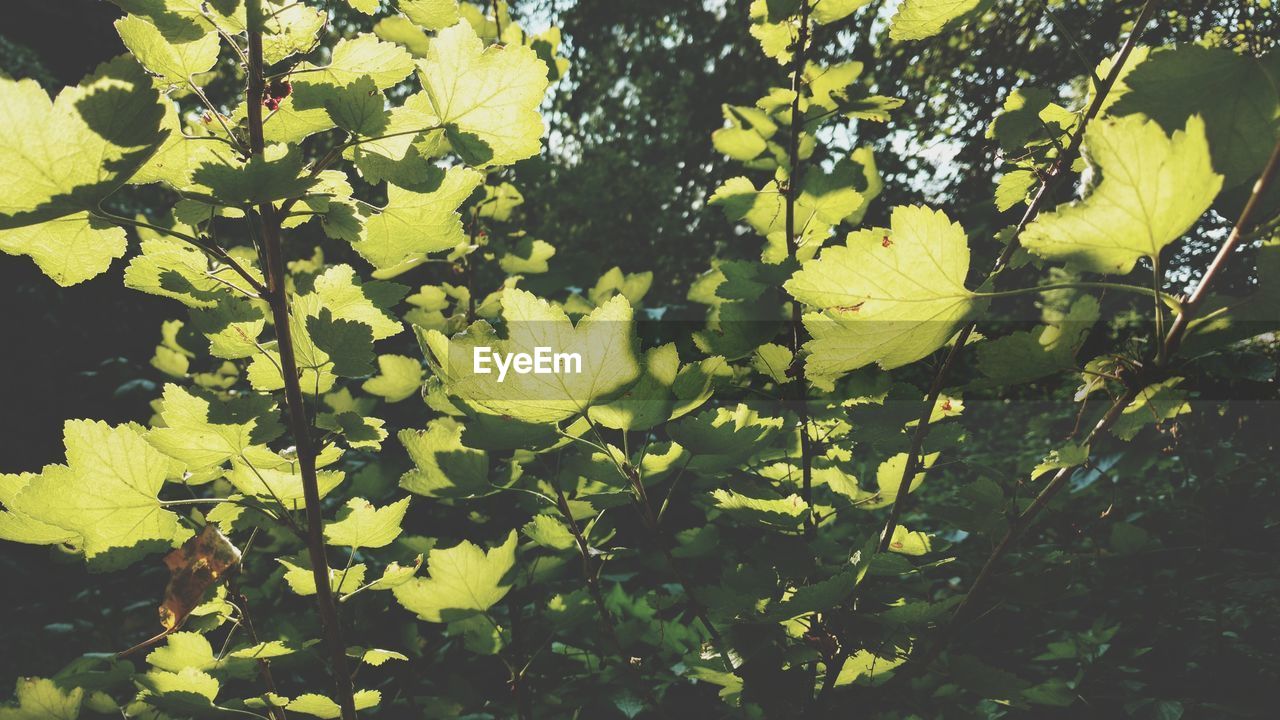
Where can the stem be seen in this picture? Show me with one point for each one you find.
(593, 584)
(1156, 280)
(264, 665)
(1164, 298)
(196, 501)
(1053, 179)
(793, 246)
(299, 428)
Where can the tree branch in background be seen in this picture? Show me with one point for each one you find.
(1053, 180)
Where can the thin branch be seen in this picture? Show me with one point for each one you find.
(214, 250)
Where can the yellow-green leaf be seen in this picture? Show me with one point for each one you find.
(488, 96)
(1154, 188)
(464, 580)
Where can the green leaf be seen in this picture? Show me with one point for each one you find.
(1155, 403)
(347, 343)
(377, 657)
(433, 15)
(1231, 91)
(724, 435)
(175, 269)
(920, 19)
(825, 201)
(777, 35)
(188, 19)
(106, 494)
(370, 303)
(783, 513)
(368, 7)
(1025, 115)
(17, 526)
(268, 476)
(604, 342)
(303, 582)
(829, 11)
(1067, 456)
(907, 542)
(773, 361)
(396, 574)
(1025, 356)
(1154, 188)
(401, 31)
(358, 430)
(1013, 187)
(203, 432)
(366, 526)
(326, 709)
(232, 327)
(443, 466)
(359, 108)
(291, 28)
(62, 157)
(399, 378)
(414, 224)
(488, 97)
(889, 482)
(274, 175)
(333, 330)
(866, 663)
(528, 257)
(889, 296)
(188, 692)
(353, 60)
(662, 389)
(41, 699)
(183, 650)
(464, 580)
(69, 249)
(174, 61)
(364, 56)
(549, 532)
(834, 90)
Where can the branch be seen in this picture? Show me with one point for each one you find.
(1189, 308)
(299, 426)
(1054, 178)
(793, 247)
(211, 249)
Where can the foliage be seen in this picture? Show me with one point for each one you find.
(811, 498)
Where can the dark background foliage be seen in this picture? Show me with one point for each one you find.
(1188, 625)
